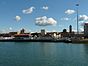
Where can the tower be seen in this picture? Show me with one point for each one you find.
(70, 29)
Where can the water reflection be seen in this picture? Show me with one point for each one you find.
(63, 53)
(86, 48)
(43, 54)
(47, 53)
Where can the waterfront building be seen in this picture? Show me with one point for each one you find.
(86, 30)
(43, 32)
(12, 33)
(23, 36)
(35, 34)
(64, 34)
(5, 35)
(67, 34)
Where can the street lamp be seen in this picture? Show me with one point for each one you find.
(77, 19)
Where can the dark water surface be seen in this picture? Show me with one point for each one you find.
(43, 54)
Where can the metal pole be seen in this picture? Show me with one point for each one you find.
(77, 19)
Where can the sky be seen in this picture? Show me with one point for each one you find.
(34, 15)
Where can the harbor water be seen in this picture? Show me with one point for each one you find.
(43, 54)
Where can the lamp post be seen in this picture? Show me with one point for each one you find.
(77, 19)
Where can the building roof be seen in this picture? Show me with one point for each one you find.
(22, 35)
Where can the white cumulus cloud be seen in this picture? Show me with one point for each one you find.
(83, 23)
(44, 21)
(45, 7)
(86, 22)
(83, 17)
(65, 18)
(29, 10)
(17, 18)
(69, 11)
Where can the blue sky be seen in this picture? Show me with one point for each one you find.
(33, 15)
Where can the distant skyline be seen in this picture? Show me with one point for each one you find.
(33, 15)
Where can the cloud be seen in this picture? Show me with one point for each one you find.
(65, 18)
(69, 11)
(29, 10)
(83, 18)
(86, 22)
(83, 23)
(45, 21)
(81, 29)
(45, 7)
(10, 28)
(75, 30)
(54, 31)
(17, 18)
